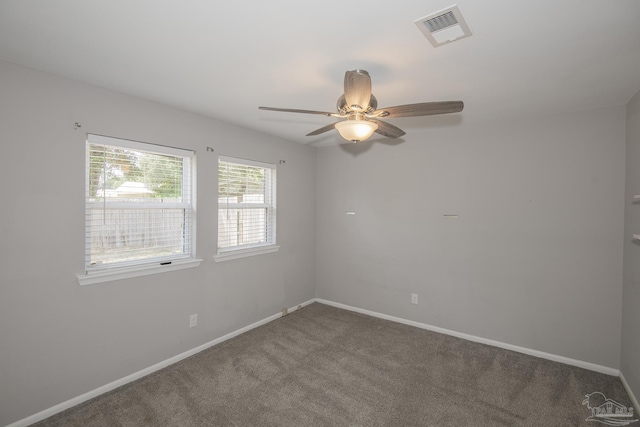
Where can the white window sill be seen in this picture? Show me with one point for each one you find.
(118, 273)
(243, 253)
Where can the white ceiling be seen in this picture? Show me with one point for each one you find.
(224, 59)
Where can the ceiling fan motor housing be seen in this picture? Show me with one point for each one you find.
(344, 109)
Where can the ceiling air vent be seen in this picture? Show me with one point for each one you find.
(444, 26)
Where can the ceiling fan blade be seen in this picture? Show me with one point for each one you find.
(323, 129)
(421, 109)
(387, 129)
(294, 110)
(357, 89)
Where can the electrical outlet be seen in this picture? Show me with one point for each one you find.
(414, 298)
(193, 320)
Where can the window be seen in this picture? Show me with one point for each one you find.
(139, 209)
(246, 208)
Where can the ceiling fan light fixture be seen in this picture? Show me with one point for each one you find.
(356, 130)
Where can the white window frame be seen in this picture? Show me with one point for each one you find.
(235, 252)
(153, 265)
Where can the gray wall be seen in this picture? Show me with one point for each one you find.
(630, 358)
(535, 256)
(60, 340)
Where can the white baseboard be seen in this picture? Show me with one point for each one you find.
(524, 350)
(144, 372)
(634, 400)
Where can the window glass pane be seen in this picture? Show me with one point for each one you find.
(246, 205)
(138, 205)
(125, 175)
(238, 227)
(121, 234)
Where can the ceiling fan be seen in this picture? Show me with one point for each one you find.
(360, 108)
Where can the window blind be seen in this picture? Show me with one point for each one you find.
(138, 203)
(246, 203)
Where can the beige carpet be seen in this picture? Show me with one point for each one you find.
(323, 366)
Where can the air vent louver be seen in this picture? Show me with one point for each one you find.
(444, 26)
(441, 22)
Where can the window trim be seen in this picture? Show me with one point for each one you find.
(118, 273)
(107, 273)
(243, 251)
